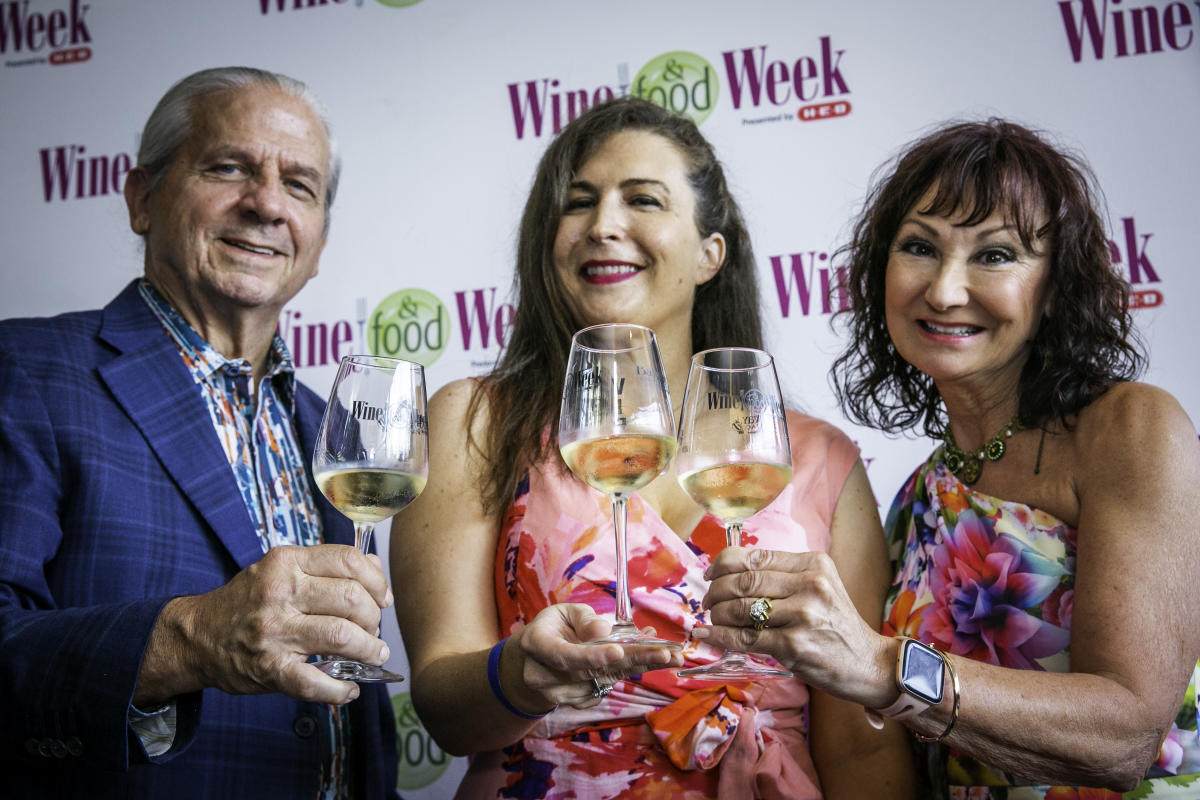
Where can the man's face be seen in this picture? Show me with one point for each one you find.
(237, 223)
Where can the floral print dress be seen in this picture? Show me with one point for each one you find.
(656, 735)
(994, 580)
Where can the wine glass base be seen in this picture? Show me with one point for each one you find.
(629, 636)
(346, 670)
(741, 668)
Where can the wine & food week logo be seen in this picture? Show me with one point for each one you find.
(411, 324)
(681, 82)
(55, 36)
(763, 85)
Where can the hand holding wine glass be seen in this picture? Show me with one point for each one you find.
(734, 459)
(371, 458)
(617, 434)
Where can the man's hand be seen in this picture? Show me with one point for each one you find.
(254, 634)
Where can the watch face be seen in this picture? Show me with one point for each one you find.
(922, 672)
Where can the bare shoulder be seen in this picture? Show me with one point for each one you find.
(460, 404)
(803, 425)
(458, 424)
(455, 398)
(1137, 416)
(1127, 436)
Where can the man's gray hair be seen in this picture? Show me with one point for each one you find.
(170, 124)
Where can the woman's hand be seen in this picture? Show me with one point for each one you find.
(557, 666)
(814, 628)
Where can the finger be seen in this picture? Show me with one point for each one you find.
(580, 629)
(334, 636)
(735, 638)
(640, 658)
(581, 697)
(304, 681)
(807, 574)
(586, 693)
(548, 644)
(735, 613)
(337, 597)
(757, 583)
(388, 598)
(342, 561)
(587, 625)
(740, 559)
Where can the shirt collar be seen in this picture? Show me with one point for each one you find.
(201, 357)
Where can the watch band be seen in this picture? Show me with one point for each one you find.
(905, 707)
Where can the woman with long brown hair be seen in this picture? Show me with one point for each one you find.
(504, 560)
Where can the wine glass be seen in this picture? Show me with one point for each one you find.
(372, 459)
(617, 433)
(734, 459)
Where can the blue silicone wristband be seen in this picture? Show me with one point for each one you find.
(493, 671)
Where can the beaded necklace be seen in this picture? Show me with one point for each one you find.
(970, 463)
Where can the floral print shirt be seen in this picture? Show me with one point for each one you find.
(994, 581)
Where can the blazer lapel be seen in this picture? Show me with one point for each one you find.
(151, 383)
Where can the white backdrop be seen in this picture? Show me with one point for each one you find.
(442, 108)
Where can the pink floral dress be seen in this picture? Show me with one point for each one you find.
(657, 736)
(994, 581)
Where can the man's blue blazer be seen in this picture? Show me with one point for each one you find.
(115, 496)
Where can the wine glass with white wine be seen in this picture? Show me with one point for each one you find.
(372, 459)
(616, 432)
(734, 459)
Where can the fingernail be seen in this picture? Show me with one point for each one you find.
(352, 695)
(700, 633)
(389, 599)
(384, 652)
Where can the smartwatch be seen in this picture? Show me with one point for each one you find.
(920, 677)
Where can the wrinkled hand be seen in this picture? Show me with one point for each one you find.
(814, 628)
(556, 667)
(254, 634)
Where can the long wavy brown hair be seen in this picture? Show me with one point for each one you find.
(524, 390)
(1086, 344)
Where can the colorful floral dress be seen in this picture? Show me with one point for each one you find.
(657, 736)
(994, 581)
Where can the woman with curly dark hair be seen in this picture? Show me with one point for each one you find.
(1041, 626)
(506, 561)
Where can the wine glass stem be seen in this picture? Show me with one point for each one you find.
(733, 534)
(733, 659)
(362, 535)
(624, 614)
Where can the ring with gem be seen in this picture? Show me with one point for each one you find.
(600, 690)
(760, 613)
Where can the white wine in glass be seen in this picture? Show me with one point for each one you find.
(372, 459)
(616, 433)
(734, 459)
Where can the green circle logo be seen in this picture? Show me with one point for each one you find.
(681, 82)
(421, 761)
(398, 3)
(411, 324)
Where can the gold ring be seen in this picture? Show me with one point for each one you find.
(760, 613)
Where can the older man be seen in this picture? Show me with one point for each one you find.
(154, 628)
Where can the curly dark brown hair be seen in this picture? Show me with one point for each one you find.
(524, 390)
(1086, 344)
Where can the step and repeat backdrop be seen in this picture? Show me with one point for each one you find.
(442, 108)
